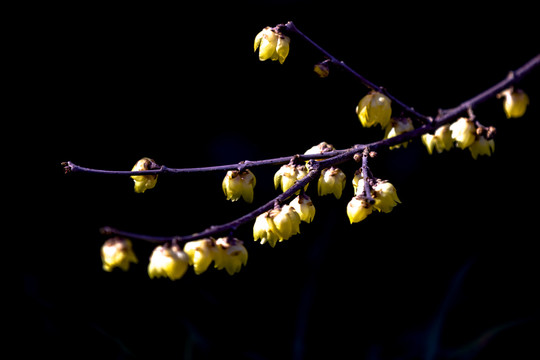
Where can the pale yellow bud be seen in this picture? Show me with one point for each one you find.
(463, 132)
(515, 102)
(385, 196)
(288, 175)
(304, 207)
(482, 146)
(374, 108)
(117, 252)
(358, 209)
(331, 181)
(230, 255)
(168, 261)
(200, 254)
(238, 184)
(144, 182)
(398, 127)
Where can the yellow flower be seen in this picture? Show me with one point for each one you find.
(288, 174)
(515, 102)
(374, 108)
(200, 254)
(276, 225)
(238, 184)
(358, 182)
(331, 181)
(168, 261)
(304, 207)
(463, 132)
(441, 140)
(265, 229)
(398, 127)
(358, 209)
(482, 146)
(287, 222)
(230, 255)
(117, 252)
(385, 196)
(272, 45)
(144, 182)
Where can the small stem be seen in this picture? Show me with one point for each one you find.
(366, 175)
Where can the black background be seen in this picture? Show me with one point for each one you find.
(104, 85)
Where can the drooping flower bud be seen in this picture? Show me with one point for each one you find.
(264, 228)
(200, 254)
(385, 196)
(238, 184)
(358, 209)
(397, 127)
(463, 132)
(304, 207)
(168, 261)
(515, 102)
(287, 222)
(288, 175)
(272, 45)
(276, 225)
(145, 182)
(117, 252)
(230, 255)
(482, 146)
(441, 140)
(374, 108)
(331, 181)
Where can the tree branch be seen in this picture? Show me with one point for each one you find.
(317, 165)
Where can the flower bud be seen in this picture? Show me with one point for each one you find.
(272, 45)
(304, 207)
(322, 69)
(385, 196)
(441, 140)
(374, 108)
(515, 102)
(482, 146)
(358, 209)
(230, 255)
(117, 252)
(265, 229)
(287, 175)
(398, 127)
(287, 222)
(144, 182)
(331, 181)
(200, 254)
(358, 182)
(238, 184)
(276, 225)
(168, 261)
(463, 132)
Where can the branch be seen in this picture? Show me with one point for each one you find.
(422, 118)
(328, 158)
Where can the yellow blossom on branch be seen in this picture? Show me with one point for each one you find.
(239, 184)
(272, 45)
(144, 182)
(117, 252)
(168, 261)
(374, 108)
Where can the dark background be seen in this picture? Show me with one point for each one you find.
(451, 273)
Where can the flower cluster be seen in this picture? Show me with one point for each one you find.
(171, 261)
(382, 197)
(465, 134)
